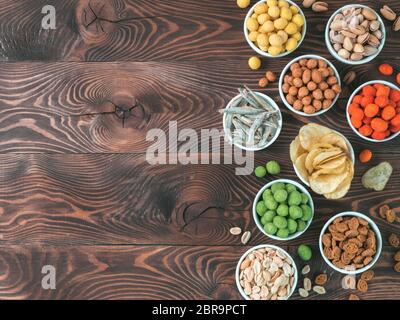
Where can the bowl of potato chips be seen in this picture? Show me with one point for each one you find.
(324, 160)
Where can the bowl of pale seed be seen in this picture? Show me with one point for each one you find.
(266, 272)
(252, 120)
(355, 34)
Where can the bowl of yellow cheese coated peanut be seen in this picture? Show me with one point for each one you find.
(275, 28)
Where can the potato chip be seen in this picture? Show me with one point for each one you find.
(332, 163)
(326, 155)
(300, 166)
(338, 170)
(343, 188)
(336, 140)
(296, 150)
(311, 134)
(321, 157)
(328, 183)
(310, 159)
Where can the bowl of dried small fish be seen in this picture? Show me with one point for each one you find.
(252, 121)
(355, 34)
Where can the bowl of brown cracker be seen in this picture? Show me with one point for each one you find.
(350, 242)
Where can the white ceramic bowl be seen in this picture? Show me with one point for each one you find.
(285, 71)
(391, 85)
(333, 51)
(237, 273)
(373, 226)
(277, 133)
(266, 54)
(259, 196)
(352, 156)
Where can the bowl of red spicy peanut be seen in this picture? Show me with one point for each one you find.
(373, 111)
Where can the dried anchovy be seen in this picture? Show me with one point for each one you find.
(241, 111)
(253, 119)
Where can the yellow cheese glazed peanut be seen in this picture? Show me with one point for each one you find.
(243, 3)
(272, 24)
(252, 24)
(254, 63)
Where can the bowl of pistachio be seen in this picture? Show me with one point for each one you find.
(355, 34)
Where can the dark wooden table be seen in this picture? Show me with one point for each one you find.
(76, 191)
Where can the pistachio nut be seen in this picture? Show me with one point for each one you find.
(356, 56)
(374, 41)
(338, 25)
(344, 54)
(349, 34)
(348, 44)
(337, 46)
(388, 13)
(374, 25)
(308, 3)
(370, 51)
(358, 48)
(363, 38)
(358, 30)
(368, 14)
(320, 6)
(378, 34)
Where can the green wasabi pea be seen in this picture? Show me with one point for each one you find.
(292, 226)
(277, 186)
(273, 167)
(270, 228)
(304, 252)
(266, 193)
(280, 195)
(283, 210)
(280, 222)
(260, 172)
(304, 198)
(295, 212)
(307, 212)
(283, 233)
(261, 208)
(294, 198)
(268, 216)
(290, 187)
(301, 225)
(270, 203)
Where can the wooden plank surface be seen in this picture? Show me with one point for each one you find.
(76, 190)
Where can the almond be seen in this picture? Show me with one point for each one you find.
(396, 24)
(320, 6)
(349, 77)
(388, 13)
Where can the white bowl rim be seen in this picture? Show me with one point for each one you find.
(244, 255)
(332, 50)
(378, 241)
(352, 156)
(266, 54)
(259, 195)
(282, 76)
(277, 134)
(389, 84)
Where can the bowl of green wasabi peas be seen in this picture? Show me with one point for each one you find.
(283, 209)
